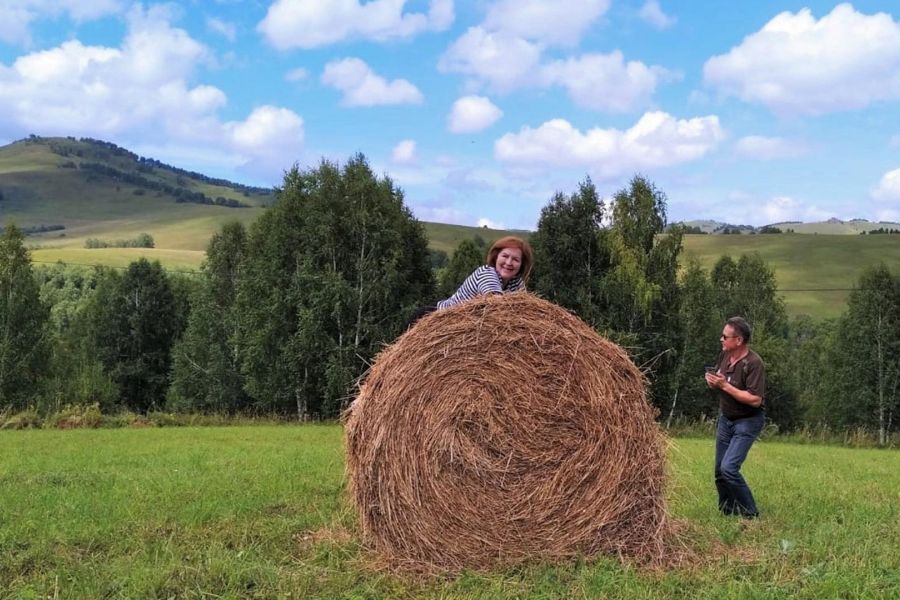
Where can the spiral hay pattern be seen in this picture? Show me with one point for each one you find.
(500, 431)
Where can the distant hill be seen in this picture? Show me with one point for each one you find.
(838, 227)
(64, 191)
(831, 226)
(77, 189)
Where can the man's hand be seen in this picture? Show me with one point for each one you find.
(714, 380)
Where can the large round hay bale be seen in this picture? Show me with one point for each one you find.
(503, 430)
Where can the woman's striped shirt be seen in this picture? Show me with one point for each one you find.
(483, 280)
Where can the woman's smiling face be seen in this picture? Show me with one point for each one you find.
(509, 263)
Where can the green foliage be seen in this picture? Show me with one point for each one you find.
(75, 376)
(639, 214)
(467, 257)
(571, 255)
(439, 258)
(76, 416)
(640, 292)
(143, 240)
(881, 230)
(133, 321)
(686, 229)
(747, 288)
(332, 271)
(864, 360)
(23, 318)
(206, 360)
(699, 346)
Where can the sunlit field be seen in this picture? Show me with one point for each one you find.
(814, 272)
(260, 511)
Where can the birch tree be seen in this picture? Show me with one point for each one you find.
(23, 320)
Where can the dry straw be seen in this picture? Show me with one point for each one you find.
(500, 431)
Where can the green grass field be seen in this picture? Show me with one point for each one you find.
(260, 512)
(804, 263)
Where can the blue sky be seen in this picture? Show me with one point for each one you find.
(749, 111)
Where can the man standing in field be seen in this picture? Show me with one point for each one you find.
(739, 380)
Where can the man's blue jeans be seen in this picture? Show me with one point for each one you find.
(733, 441)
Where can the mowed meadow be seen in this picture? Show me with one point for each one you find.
(261, 512)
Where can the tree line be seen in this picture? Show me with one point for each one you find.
(95, 170)
(285, 315)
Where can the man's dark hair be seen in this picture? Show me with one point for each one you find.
(741, 327)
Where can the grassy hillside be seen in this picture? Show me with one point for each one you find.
(43, 181)
(838, 227)
(442, 236)
(49, 181)
(262, 512)
(804, 263)
(829, 227)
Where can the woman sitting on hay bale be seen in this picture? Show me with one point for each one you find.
(508, 265)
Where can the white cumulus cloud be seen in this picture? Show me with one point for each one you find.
(17, 16)
(780, 209)
(470, 114)
(490, 223)
(800, 65)
(315, 23)
(561, 22)
(603, 81)
(768, 148)
(507, 52)
(363, 87)
(657, 140)
(267, 127)
(888, 189)
(652, 13)
(404, 152)
(14, 23)
(140, 93)
(502, 60)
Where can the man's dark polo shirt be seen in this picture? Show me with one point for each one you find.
(749, 374)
